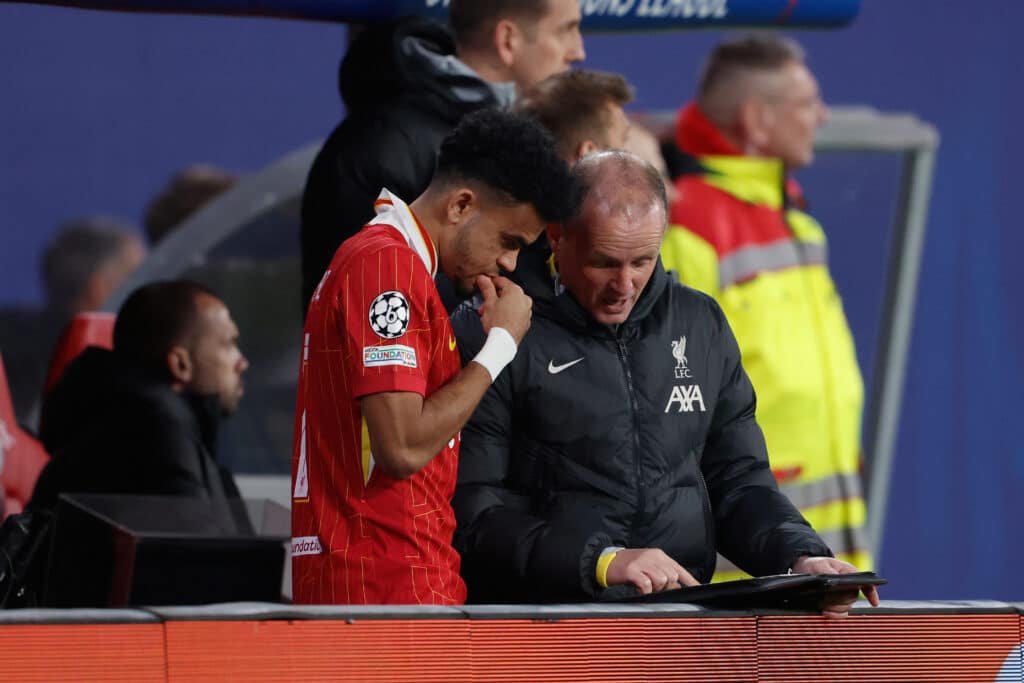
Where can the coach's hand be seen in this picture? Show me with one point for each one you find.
(649, 569)
(505, 305)
(836, 603)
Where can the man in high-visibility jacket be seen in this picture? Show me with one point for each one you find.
(739, 235)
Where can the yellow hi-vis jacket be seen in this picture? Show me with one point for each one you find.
(733, 237)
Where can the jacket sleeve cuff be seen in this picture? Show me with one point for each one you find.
(811, 551)
(589, 558)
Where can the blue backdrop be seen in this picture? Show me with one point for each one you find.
(597, 14)
(98, 109)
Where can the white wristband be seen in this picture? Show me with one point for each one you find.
(497, 352)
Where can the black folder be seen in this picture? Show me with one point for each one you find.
(781, 591)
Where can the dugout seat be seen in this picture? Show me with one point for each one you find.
(85, 329)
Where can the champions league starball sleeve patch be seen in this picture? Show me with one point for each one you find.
(389, 314)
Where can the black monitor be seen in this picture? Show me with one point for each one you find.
(115, 551)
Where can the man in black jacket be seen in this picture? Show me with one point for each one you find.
(142, 419)
(620, 446)
(405, 89)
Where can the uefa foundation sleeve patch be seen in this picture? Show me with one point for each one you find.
(395, 354)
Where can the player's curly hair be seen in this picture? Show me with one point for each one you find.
(512, 155)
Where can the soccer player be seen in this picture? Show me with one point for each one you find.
(381, 396)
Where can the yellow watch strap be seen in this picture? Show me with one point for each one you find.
(603, 563)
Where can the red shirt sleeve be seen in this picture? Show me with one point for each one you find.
(387, 334)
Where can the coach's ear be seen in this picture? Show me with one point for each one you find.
(461, 202)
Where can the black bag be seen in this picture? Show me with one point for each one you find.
(23, 538)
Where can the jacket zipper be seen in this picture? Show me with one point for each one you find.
(624, 357)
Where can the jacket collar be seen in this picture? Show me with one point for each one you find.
(463, 84)
(757, 180)
(414, 58)
(205, 410)
(698, 136)
(394, 212)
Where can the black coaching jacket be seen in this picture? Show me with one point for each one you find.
(641, 435)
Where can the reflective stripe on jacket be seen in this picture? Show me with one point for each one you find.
(766, 264)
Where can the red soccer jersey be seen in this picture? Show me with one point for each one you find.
(376, 323)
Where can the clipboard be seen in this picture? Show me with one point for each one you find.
(779, 591)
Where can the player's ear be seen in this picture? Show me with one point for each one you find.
(460, 202)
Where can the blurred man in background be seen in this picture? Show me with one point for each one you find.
(405, 86)
(645, 144)
(86, 262)
(187, 191)
(740, 235)
(583, 110)
(83, 264)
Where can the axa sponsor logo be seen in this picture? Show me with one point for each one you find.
(685, 397)
(306, 545)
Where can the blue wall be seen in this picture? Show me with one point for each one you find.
(99, 108)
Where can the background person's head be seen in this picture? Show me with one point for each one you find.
(523, 41)
(499, 181)
(607, 251)
(645, 144)
(760, 94)
(181, 331)
(582, 109)
(186, 192)
(87, 261)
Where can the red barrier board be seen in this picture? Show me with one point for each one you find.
(886, 648)
(867, 647)
(82, 652)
